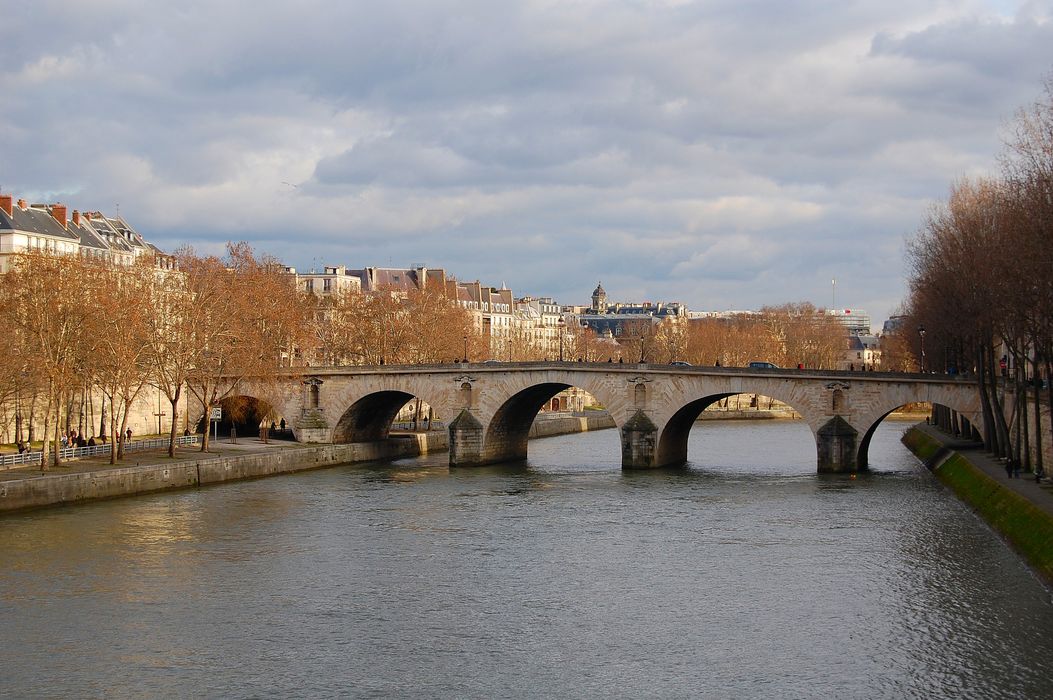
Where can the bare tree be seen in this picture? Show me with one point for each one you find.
(40, 294)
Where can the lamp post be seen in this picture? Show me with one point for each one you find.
(561, 323)
(921, 334)
(465, 348)
(509, 349)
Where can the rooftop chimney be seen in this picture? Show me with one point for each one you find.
(7, 204)
(76, 218)
(59, 212)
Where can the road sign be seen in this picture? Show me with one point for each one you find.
(217, 413)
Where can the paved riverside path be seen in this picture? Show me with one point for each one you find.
(1040, 494)
(216, 449)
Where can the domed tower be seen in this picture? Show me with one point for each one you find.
(599, 298)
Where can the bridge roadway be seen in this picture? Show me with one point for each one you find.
(489, 407)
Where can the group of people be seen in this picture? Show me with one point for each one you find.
(70, 439)
(75, 439)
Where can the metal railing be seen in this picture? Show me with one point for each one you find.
(18, 459)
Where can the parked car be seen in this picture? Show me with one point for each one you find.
(680, 363)
(762, 365)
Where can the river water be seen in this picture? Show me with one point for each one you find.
(744, 575)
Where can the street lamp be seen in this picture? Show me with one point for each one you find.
(466, 348)
(921, 334)
(509, 349)
(561, 324)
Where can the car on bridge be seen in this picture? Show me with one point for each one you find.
(762, 365)
(680, 363)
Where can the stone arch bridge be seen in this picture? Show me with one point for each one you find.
(489, 407)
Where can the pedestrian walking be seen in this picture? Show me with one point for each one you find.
(1009, 468)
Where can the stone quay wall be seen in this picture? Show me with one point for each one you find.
(53, 489)
(547, 427)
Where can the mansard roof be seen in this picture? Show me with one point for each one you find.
(35, 220)
(88, 237)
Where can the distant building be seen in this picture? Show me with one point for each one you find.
(611, 320)
(332, 280)
(863, 353)
(856, 321)
(893, 324)
(47, 228)
(400, 279)
(695, 315)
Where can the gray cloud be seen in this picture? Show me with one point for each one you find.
(727, 154)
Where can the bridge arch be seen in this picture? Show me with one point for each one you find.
(673, 438)
(369, 418)
(966, 421)
(509, 428)
(497, 427)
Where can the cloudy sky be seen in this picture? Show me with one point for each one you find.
(727, 153)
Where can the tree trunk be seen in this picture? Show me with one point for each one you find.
(102, 419)
(998, 409)
(44, 445)
(114, 445)
(172, 434)
(990, 432)
(207, 419)
(18, 417)
(124, 426)
(32, 416)
(1038, 465)
(56, 445)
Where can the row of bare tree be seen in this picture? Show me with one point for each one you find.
(981, 285)
(76, 328)
(72, 324)
(786, 335)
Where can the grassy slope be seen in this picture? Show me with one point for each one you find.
(1027, 528)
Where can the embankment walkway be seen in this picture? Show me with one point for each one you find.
(1039, 494)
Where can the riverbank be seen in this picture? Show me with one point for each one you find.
(1018, 509)
(92, 479)
(88, 480)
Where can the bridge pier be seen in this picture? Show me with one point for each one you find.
(837, 445)
(639, 442)
(466, 440)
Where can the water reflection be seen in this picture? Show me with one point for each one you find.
(559, 576)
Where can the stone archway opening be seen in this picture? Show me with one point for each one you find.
(672, 447)
(371, 417)
(950, 420)
(538, 411)
(246, 417)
